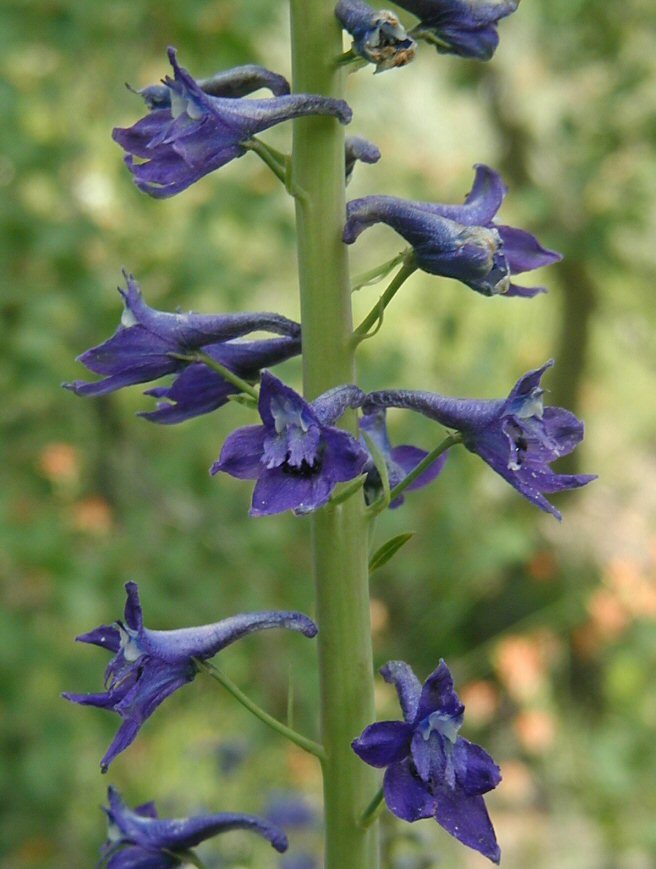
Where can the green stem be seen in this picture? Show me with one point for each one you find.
(373, 276)
(374, 809)
(267, 155)
(297, 738)
(376, 312)
(339, 534)
(425, 463)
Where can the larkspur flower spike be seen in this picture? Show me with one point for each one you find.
(431, 771)
(297, 456)
(399, 460)
(147, 343)
(517, 436)
(378, 37)
(464, 27)
(139, 839)
(148, 666)
(459, 241)
(196, 133)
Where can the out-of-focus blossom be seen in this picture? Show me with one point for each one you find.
(378, 37)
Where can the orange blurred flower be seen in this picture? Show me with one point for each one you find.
(481, 700)
(93, 515)
(59, 463)
(535, 729)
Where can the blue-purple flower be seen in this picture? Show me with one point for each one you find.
(459, 241)
(517, 436)
(378, 37)
(148, 666)
(196, 133)
(356, 148)
(432, 772)
(139, 839)
(297, 456)
(464, 27)
(399, 460)
(147, 343)
(198, 389)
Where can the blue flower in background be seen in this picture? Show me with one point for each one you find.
(146, 343)
(197, 133)
(459, 241)
(139, 839)
(148, 666)
(399, 460)
(464, 27)
(432, 772)
(378, 37)
(296, 455)
(198, 389)
(517, 436)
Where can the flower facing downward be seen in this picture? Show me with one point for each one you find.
(464, 27)
(147, 341)
(148, 665)
(399, 460)
(378, 37)
(459, 241)
(195, 133)
(431, 770)
(296, 455)
(517, 436)
(139, 839)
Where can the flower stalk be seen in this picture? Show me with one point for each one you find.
(339, 534)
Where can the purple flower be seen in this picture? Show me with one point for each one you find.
(464, 27)
(148, 666)
(198, 389)
(198, 133)
(296, 456)
(431, 771)
(146, 343)
(139, 839)
(378, 37)
(399, 460)
(240, 81)
(517, 436)
(459, 241)
(356, 148)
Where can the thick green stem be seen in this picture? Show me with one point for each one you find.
(339, 533)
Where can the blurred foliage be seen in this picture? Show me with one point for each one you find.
(550, 629)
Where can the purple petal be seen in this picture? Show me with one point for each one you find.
(476, 771)
(529, 381)
(466, 818)
(383, 743)
(356, 148)
(241, 455)
(432, 758)
(277, 491)
(106, 636)
(181, 834)
(408, 457)
(481, 203)
(438, 695)
(343, 457)
(406, 795)
(523, 251)
(272, 389)
(408, 687)
(133, 612)
(334, 403)
(516, 291)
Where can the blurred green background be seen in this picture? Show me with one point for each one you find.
(550, 629)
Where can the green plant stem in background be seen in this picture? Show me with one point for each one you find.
(297, 738)
(339, 533)
(227, 374)
(374, 809)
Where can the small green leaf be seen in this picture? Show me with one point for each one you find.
(388, 550)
